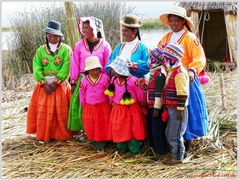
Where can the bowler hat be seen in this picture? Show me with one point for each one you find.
(53, 27)
(131, 21)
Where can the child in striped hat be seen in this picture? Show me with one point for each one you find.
(155, 126)
(175, 99)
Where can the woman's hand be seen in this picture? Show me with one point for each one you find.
(47, 88)
(133, 66)
(53, 86)
(191, 75)
(73, 87)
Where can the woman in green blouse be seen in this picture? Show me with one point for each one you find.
(48, 110)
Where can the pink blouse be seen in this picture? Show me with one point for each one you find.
(81, 51)
(132, 85)
(93, 92)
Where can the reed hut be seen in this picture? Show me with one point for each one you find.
(215, 24)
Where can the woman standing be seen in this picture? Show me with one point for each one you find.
(194, 61)
(48, 110)
(92, 44)
(132, 49)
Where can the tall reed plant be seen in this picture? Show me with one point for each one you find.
(28, 35)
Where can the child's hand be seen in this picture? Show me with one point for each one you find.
(155, 113)
(180, 115)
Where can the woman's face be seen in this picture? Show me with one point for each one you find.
(128, 34)
(87, 30)
(53, 39)
(176, 23)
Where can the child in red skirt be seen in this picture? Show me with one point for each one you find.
(96, 108)
(127, 123)
(48, 110)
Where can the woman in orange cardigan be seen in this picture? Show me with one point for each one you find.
(194, 61)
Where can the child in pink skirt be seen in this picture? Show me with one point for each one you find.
(96, 108)
(126, 119)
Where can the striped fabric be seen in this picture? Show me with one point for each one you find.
(170, 97)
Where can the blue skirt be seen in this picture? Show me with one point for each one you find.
(197, 112)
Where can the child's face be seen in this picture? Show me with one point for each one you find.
(171, 63)
(94, 72)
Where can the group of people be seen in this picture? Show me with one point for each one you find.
(108, 96)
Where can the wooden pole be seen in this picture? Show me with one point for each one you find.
(71, 24)
(222, 92)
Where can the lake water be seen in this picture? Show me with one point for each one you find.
(149, 37)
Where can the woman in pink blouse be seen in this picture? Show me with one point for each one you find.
(126, 119)
(92, 44)
(96, 108)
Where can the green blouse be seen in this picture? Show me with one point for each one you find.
(46, 63)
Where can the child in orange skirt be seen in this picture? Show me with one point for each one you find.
(96, 108)
(127, 121)
(48, 110)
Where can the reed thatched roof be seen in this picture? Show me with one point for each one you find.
(227, 7)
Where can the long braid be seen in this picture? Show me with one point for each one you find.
(187, 26)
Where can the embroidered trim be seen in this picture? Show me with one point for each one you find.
(181, 38)
(91, 82)
(49, 73)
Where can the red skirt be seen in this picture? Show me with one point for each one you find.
(48, 114)
(127, 122)
(96, 121)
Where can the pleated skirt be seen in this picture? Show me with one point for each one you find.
(48, 114)
(96, 121)
(197, 112)
(127, 122)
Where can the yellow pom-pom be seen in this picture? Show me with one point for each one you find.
(107, 92)
(111, 93)
(127, 102)
(131, 101)
(122, 102)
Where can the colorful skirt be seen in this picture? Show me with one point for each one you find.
(48, 114)
(75, 110)
(127, 122)
(96, 121)
(197, 112)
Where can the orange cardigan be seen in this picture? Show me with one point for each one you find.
(194, 56)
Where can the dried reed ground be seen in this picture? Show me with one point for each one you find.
(24, 157)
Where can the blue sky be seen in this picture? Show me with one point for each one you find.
(144, 9)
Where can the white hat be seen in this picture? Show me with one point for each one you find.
(92, 62)
(95, 23)
(178, 11)
(120, 66)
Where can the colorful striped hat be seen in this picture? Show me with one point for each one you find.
(156, 57)
(173, 53)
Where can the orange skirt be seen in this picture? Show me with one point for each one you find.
(48, 114)
(127, 122)
(96, 121)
